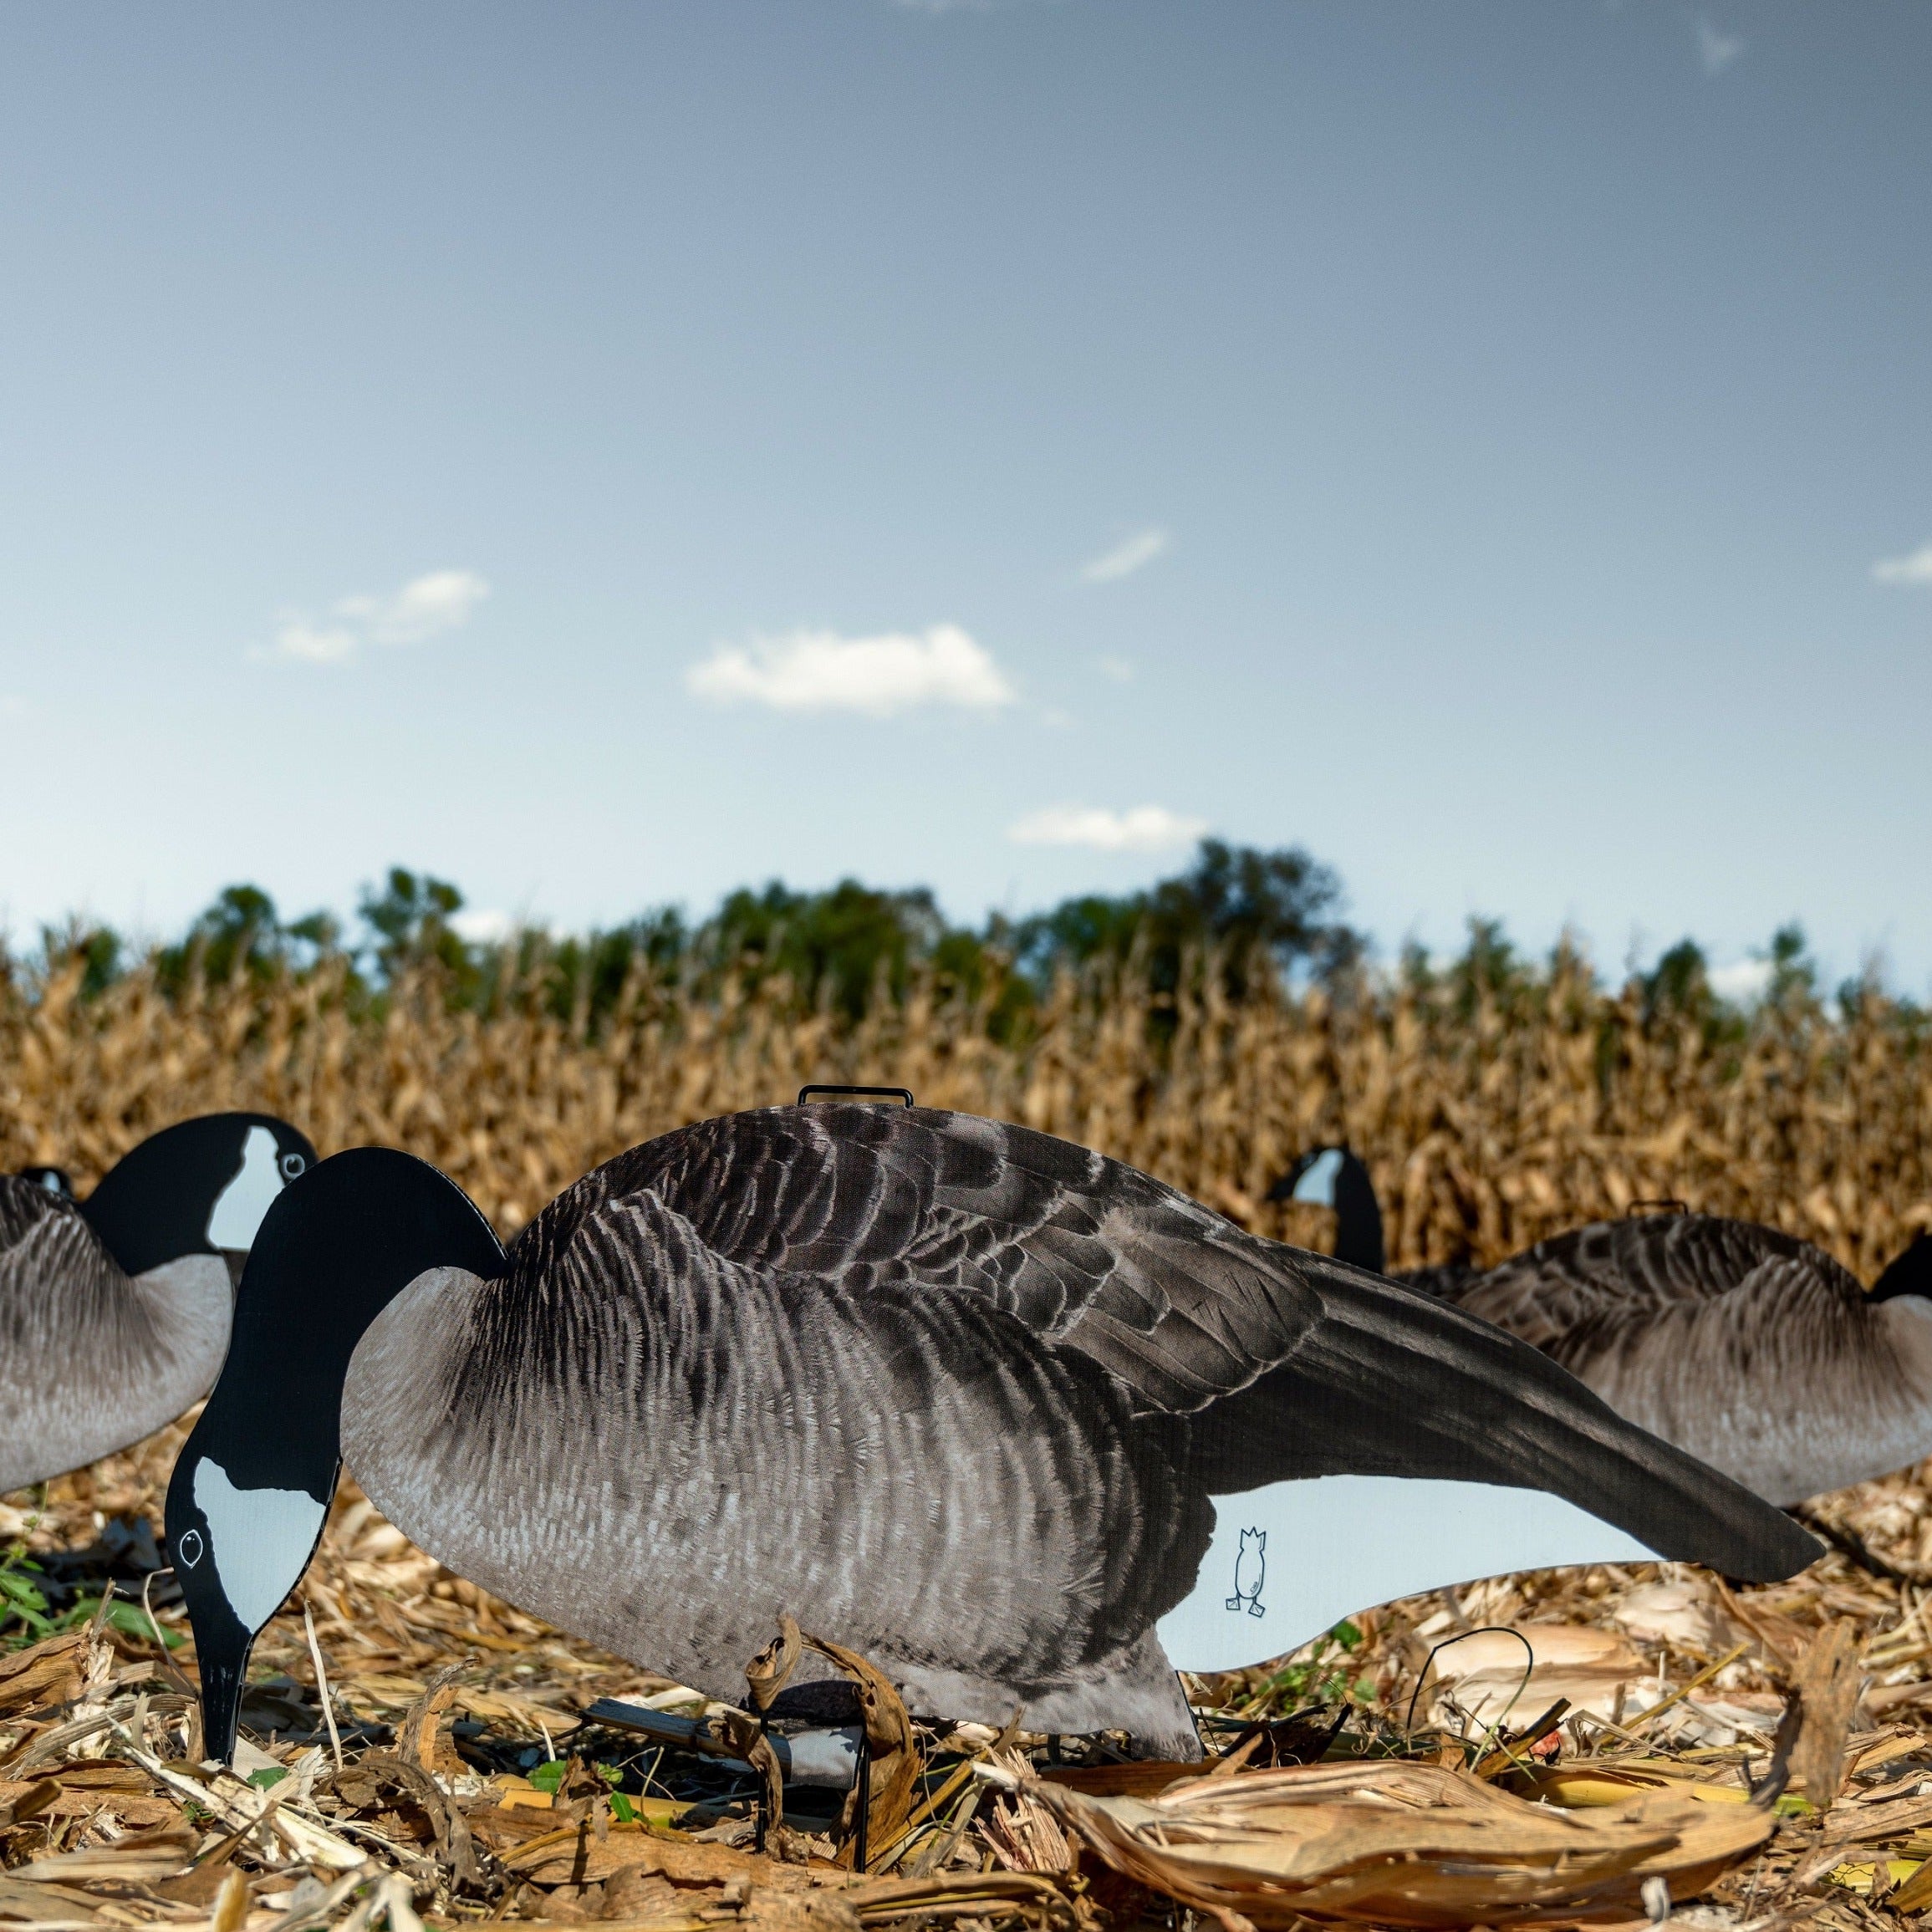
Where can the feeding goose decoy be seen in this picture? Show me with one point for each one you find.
(1752, 1349)
(1335, 1178)
(114, 1310)
(1019, 1422)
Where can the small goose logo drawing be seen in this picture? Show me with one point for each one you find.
(1251, 1570)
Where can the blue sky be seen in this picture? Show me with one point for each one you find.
(606, 453)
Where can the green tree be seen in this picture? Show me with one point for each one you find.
(242, 933)
(97, 949)
(1794, 973)
(1238, 900)
(836, 945)
(587, 977)
(409, 917)
(1679, 983)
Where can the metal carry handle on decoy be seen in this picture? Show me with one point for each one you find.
(902, 1094)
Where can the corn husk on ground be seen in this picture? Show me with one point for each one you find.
(1394, 1844)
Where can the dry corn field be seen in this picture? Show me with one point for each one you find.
(1600, 1767)
(1484, 1132)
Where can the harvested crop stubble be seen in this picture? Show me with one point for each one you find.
(437, 1806)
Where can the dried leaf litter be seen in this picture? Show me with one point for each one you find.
(1579, 1747)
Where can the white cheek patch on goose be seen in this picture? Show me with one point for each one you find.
(238, 1211)
(1318, 1185)
(260, 1540)
(1292, 1559)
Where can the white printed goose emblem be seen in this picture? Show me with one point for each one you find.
(1251, 1570)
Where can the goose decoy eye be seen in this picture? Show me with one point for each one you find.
(292, 1166)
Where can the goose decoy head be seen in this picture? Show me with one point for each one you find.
(251, 1490)
(54, 1180)
(1333, 1177)
(1909, 1274)
(199, 1187)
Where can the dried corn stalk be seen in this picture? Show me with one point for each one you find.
(1486, 1125)
(1402, 1844)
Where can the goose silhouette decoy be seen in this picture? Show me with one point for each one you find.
(1018, 1422)
(1333, 1177)
(114, 1310)
(1752, 1349)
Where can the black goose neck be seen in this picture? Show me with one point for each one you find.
(153, 1206)
(1358, 1217)
(1909, 1273)
(338, 1246)
(250, 1490)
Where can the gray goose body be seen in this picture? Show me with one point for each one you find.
(949, 1391)
(114, 1312)
(1754, 1350)
(95, 1359)
(675, 1531)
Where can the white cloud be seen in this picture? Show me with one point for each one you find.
(1744, 980)
(298, 637)
(1716, 49)
(818, 670)
(1124, 560)
(437, 601)
(440, 600)
(1139, 829)
(477, 927)
(1119, 668)
(1916, 568)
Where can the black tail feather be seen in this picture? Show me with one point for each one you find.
(1393, 1382)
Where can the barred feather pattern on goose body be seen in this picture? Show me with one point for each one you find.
(92, 1358)
(1751, 1349)
(690, 1420)
(952, 1391)
(1170, 1296)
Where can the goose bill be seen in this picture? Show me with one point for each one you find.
(237, 1553)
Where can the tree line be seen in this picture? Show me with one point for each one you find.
(1250, 916)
